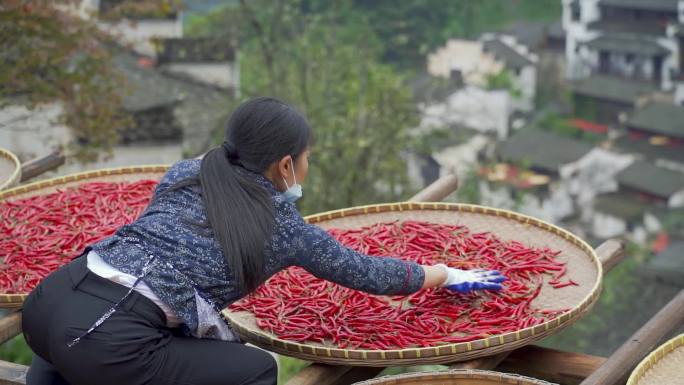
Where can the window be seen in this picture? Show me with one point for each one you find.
(629, 58)
(575, 11)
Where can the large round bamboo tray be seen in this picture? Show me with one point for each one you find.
(122, 174)
(582, 263)
(10, 169)
(455, 377)
(663, 366)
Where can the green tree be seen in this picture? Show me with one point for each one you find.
(51, 54)
(503, 80)
(327, 64)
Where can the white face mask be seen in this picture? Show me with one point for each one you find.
(293, 192)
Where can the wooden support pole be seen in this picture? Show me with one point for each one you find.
(438, 190)
(12, 374)
(617, 368)
(10, 326)
(35, 167)
(319, 374)
(610, 253)
(551, 365)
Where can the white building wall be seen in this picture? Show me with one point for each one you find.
(526, 82)
(607, 226)
(461, 159)
(670, 62)
(33, 133)
(533, 206)
(639, 235)
(679, 94)
(577, 32)
(499, 197)
(559, 204)
(594, 173)
(466, 56)
(139, 34)
(652, 223)
(676, 200)
(217, 74)
(472, 107)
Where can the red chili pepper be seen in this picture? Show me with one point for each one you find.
(40, 233)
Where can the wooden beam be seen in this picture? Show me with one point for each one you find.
(12, 374)
(319, 374)
(358, 374)
(438, 190)
(617, 368)
(483, 363)
(35, 167)
(551, 365)
(10, 326)
(610, 253)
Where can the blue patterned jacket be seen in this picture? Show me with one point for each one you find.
(190, 270)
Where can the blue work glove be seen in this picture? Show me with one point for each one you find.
(464, 281)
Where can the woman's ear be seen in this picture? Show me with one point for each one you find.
(285, 168)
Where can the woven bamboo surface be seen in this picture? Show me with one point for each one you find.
(582, 263)
(122, 174)
(664, 366)
(455, 377)
(10, 169)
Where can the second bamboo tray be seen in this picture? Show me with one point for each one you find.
(455, 377)
(582, 263)
(663, 366)
(121, 174)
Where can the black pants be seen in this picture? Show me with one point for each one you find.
(132, 347)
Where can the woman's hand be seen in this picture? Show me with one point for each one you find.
(462, 281)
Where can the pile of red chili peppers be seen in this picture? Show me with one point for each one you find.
(43, 232)
(297, 306)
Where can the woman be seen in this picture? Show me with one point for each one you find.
(142, 306)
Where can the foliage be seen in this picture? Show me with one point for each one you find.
(326, 64)
(503, 80)
(585, 108)
(409, 29)
(288, 367)
(674, 222)
(137, 9)
(51, 53)
(560, 125)
(16, 350)
(47, 55)
(469, 189)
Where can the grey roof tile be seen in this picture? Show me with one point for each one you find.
(651, 179)
(543, 150)
(665, 119)
(614, 89)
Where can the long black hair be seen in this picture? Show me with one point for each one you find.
(240, 211)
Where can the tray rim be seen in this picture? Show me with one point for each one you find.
(15, 301)
(16, 174)
(652, 358)
(444, 353)
(506, 378)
